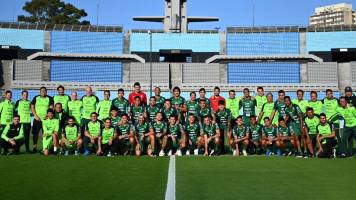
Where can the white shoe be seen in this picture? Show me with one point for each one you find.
(161, 153)
(196, 152)
(179, 153)
(187, 153)
(170, 153)
(244, 152)
(212, 152)
(109, 154)
(234, 152)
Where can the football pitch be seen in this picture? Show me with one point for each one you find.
(223, 177)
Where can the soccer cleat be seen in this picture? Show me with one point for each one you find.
(212, 152)
(179, 153)
(86, 153)
(234, 153)
(305, 155)
(299, 155)
(187, 153)
(170, 153)
(244, 152)
(334, 153)
(66, 153)
(196, 152)
(161, 153)
(289, 153)
(268, 152)
(109, 154)
(76, 152)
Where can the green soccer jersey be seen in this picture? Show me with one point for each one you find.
(324, 130)
(330, 107)
(41, 105)
(204, 112)
(193, 130)
(89, 105)
(223, 118)
(267, 109)
(136, 112)
(50, 126)
(175, 130)
(348, 114)
(159, 101)
(7, 111)
(285, 131)
(115, 121)
(279, 107)
(317, 106)
(234, 106)
(152, 111)
(71, 132)
(311, 124)
(94, 128)
(303, 104)
(168, 112)
(107, 134)
(260, 100)
(293, 112)
(159, 128)
(103, 109)
(255, 132)
(23, 108)
(75, 109)
(122, 105)
(63, 99)
(192, 107)
(248, 106)
(269, 132)
(210, 130)
(207, 101)
(240, 131)
(125, 129)
(177, 102)
(141, 129)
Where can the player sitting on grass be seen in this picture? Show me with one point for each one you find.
(146, 139)
(284, 137)
(255, 130)
(50, 133)
(326, 138)
(13, 136)
(91, 134)
(159, 128)
(194, 140)
(240, 136)
(71, 138)
(176, 137)
(107, 139)
(211, 134)
(269, 138)
(126, 135)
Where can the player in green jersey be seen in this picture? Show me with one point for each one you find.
(303, 104)
(91, 134)
(240, 134)
(90, 102)
(128, 142)
(121, 103)
(71, 138)
(137, 109)
(191, 106)
(267, 109)
(326, 138)
(7, 110)
(202, 93)
(311, 121)
(106, 141)
(255, 131)
(330, 104)
(159, 99)
(12, 136)
(104, 106)
(279, 106)
(315, 103)
(50, 133)
(285, 137)
(75, 107)
(223, 118)
(177, 102)
(233, 104)
(204, 111)
(115, 118)
(176, 137)
(23, 109)
(194, 140)
(168, 110)
(146, 138)
(261, 99)
(61, 98)
(152, 109)
(39, 106)
(269, 138)
(211, 133)
(159, 128)
(248, 105)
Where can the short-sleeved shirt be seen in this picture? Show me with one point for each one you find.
(159, 128)
(89, 105)
(136, 112)
(71, 132)
(152, 111)
(63, 99)
(175, 130)
(240, 131)
(293, 112)
(75, 109)
(285, 132)
(103, 109)
(192, 107)
(42, 104)
(255, 132)
(94, 128)
(23, 108)
(125, 129)
(142, 129)
(311, 124)
(210, 130)
(223, 118)
(168, 112)
(7, 111)
(107, 135)
(122, 105)
(248, 106)
(193, 130)
(50, 126)
(317, 106)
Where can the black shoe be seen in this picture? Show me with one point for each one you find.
(342, 156)
(34, 150)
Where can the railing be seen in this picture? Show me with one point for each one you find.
(286, 29)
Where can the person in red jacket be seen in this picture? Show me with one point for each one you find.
(137, 93)
(214, 100)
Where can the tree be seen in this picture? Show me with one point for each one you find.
(52, 12)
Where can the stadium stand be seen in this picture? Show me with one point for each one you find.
(28, 70)
(322, 72)
(325, 41)
(201, 73)
(140, 72)
(26, 39)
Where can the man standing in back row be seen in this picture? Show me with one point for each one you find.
(137, 93)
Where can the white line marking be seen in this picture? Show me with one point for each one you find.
(171, 183)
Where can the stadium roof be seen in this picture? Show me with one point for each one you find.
(86, 57)
(263, 58)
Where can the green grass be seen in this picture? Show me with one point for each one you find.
(265, 178)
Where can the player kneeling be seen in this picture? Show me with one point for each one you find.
(50, 133)
(71, 138)
(126, 136)
(240, 137)
(194, 141)
(269, 138)
(325, 138)
(255, 138)
(91, 134)
(284, 137)
(211, 134)
(146, 138)
(12, 137)
(106, 141)
(176, 137)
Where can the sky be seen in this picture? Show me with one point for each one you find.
(230, 12)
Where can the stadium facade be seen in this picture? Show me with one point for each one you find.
(107, 57)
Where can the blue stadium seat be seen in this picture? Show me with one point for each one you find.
(26, 39)
(325, 41)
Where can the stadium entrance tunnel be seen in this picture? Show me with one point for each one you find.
(343, 55)
(175, 55)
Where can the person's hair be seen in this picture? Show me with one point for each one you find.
(314, 92)
(60, 87)
(328, 90)
(125, 115)
(281, 119)
(202, 100)
(106, 119)
(239, 117)
(202, 90)
(159, 113)
(269, 93)
(322, 115)
(216, 88)
(8, 92)
(71, 117)
(266, 118)
(252, 116)
(137, 97)
(176, 88)
(114, 109)
(260, 88)
(232, 91)
(300, 91)
(153, 98)
(137, 84)
(246, 89)
(191, 114)
(94, 113)
(158, 88)
(16, 116)
(55, 105)
(167, 100)
(107, 91)
(192, 93)
(24, 91)
(287, 97)
(310, 109)
(173, 116)
(50, 110)
(221, 102)
(43, 87)
(120, 90)
(281, 92)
